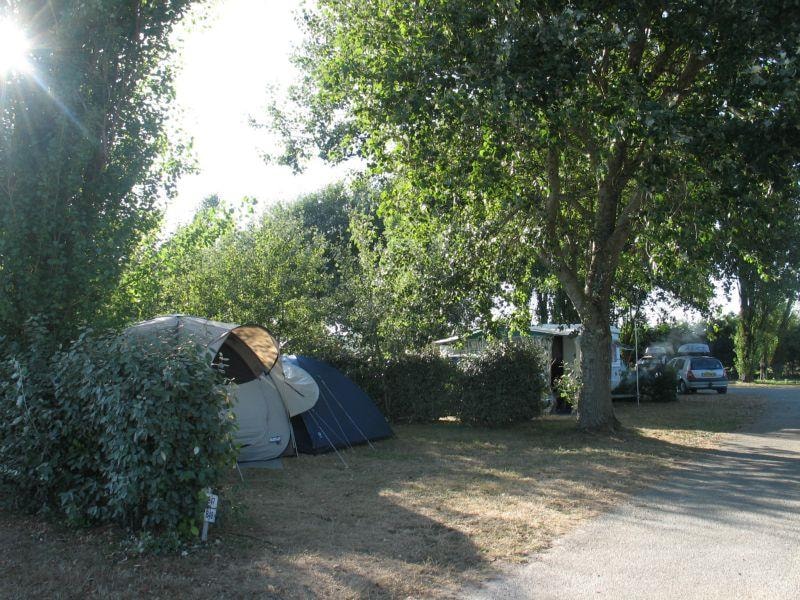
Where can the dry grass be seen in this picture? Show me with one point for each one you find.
(437, 507)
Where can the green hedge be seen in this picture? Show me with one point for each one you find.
(114, 429)
(656, 384)
(420, 388)
(411, 388)
(503, 385)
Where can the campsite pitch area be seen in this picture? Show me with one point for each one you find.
(437, 507)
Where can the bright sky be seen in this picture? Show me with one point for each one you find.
(673, 309)
(230, 60)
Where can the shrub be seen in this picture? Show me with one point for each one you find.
(658, 384)
(503, 385)
(410, 388)
(569, 386)
(114, 429)
(420, 388)
(31, 426)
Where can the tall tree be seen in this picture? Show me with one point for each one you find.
(786, 359)
(268, 273)
(387, 296)
(750, 200)
(161, 276)
(82, 152)
(558, 129)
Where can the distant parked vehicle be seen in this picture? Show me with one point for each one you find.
(650, 362)
(694, 350)
(659, 351)
(699, 373)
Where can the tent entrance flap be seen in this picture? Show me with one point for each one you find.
(239, 362)
(298, 388)
(260, 342)
(264, 430)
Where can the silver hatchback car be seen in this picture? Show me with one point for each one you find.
(699, 373)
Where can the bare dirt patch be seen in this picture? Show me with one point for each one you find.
(437, 507)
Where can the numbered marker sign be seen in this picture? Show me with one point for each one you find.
(211, 509)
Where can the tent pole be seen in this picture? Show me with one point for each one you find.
(239, 470)
(366, 439)
(291, 431)
(294, 441)
(313, 416)
(338, 423)
(291, 427)
(326, 424)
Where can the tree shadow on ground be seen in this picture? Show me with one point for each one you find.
(439, 506)
(704, 411)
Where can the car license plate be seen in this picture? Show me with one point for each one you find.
(708, 373)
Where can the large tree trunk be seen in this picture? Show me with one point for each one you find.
(595, 409)
(745, 340)
(590, 294)
(745, 348)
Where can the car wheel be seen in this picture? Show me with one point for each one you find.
(722, 391)
(682, 389)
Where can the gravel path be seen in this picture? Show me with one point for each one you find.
(726, 526)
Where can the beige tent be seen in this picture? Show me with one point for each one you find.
(266, 394)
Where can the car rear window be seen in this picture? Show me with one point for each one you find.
(706, 363)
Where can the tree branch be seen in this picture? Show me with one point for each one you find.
(619, 236)
(568, 279)
(636, 50)
(551, 254)
(554, 195)
(581, 132)
(660, 65)
(688, 75)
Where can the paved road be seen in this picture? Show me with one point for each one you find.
(727, 527)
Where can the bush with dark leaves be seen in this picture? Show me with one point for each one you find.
(113, 429)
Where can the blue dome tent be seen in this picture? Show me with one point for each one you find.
(342, 417)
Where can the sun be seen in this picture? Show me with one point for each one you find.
(14, 48)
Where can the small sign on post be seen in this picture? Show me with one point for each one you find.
(210, 515)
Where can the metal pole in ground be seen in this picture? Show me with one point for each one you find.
(636, 353)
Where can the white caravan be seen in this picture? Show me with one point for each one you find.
(563, 346)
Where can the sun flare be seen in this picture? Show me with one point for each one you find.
(14, 48)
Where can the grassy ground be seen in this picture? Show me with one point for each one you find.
(437, 507)
(777, 382)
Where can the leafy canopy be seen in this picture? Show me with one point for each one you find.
(83, 153)
(565, 133)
